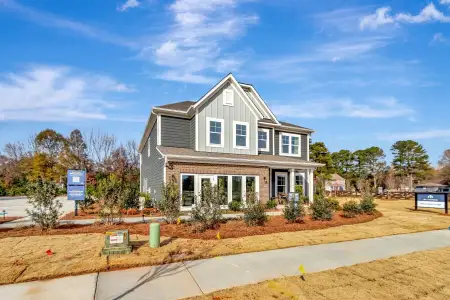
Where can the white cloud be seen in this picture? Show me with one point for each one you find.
(445, 2)
(50, 20)
(49, 93)
(196, 42)
(321, 109)
(416, 135)
(439, 38)
(381, 17)
(128, 4)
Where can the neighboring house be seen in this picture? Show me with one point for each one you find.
(229, 136)
(337, 183)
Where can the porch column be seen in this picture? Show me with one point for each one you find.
(291, 180)
(310, 174)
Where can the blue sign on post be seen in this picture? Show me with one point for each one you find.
(75, 192)
(76, 177)
(431, 200)
(76, 181)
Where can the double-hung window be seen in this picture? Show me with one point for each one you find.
(241, 135)
(215, 133)
(263, 139)
(289, 144)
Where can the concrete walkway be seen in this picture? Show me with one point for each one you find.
(27, 221)
(179, 280)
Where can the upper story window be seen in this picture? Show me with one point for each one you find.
(228, 97)
(215, 135)
(241, 135)
(289, 144)
(263, 139)
(148, 147)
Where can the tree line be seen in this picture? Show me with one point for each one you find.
(410, 164)
(48, 155)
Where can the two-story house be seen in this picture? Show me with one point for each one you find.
(229, 136)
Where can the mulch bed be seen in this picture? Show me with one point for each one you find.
(237, 228)
(230, 229)
(8, 219)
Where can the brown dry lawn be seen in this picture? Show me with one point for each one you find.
(24, 258)
(420, 275)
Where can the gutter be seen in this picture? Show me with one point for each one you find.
(227, 160)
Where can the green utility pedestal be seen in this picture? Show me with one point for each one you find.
(154, 235)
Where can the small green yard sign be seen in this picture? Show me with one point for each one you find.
(117, 242)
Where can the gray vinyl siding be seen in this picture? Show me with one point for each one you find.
(192, 133)
(270, 141)
(214, 108)
(176, 132)
(152, 167)
(303, 145)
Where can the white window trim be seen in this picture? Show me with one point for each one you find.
(285, 175)
(225, 93)
(290, 135)
(149, 151)
(214, 180)
(267, 131)
(247, 135)
(303, 174)
(222, 132)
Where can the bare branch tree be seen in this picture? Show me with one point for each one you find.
(100, 148)
(132, 153)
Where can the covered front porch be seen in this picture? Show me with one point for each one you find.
(284, 181)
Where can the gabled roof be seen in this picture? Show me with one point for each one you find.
(181, 106)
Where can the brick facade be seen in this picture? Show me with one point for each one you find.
(174, 169)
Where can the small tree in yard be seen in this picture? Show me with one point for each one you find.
(110, 192)
(46, 209)
(294, 211)
(321, 209)
(170, 202)
(207, 210)
(254, 213)
(367, 204)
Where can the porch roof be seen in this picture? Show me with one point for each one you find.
(190, 155)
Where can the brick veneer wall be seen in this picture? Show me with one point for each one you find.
(174, 170)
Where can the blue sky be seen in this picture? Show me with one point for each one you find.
(360, 73)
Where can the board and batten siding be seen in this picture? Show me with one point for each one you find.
(214, 108)
(303, 144)
(152, 167)
(270, 141)
(177, 132)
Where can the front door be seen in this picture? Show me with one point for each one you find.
(280, 183)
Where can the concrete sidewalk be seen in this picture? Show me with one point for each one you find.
(179, 280)
(27, 221)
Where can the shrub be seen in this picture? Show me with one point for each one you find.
(207, 210)
(148, 202)
(321, 209)
(45, 210)
(294, 212)
(130, 195)
(89, 201)
(235, 205)
(367, 204)
(254, 213)
(351, 209)
(2, 190)
(334, 203)
(110, 201)
(271, 204)
(170, 202)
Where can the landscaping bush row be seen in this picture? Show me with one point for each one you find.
(352, 208)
